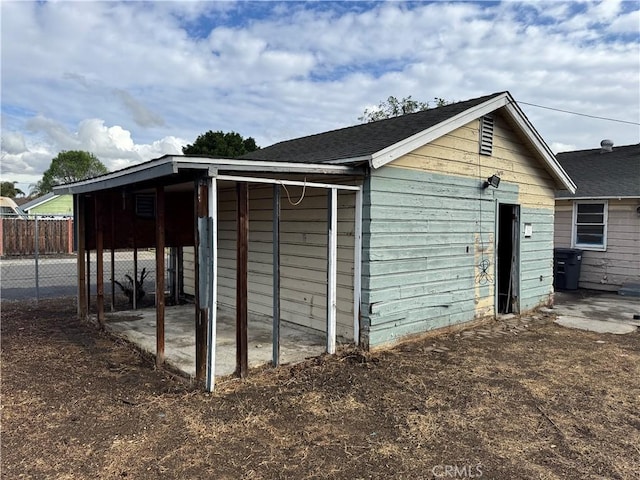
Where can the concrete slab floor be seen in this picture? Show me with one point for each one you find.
(598, 312)
(139, 327)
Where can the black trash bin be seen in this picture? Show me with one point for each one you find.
(566, 268)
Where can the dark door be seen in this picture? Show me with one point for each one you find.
(508, 260)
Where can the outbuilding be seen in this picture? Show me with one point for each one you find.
(364, 234)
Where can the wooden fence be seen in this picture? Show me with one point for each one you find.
(18, 236)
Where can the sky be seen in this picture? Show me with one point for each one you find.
(131, 81)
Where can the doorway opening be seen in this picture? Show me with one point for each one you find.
(508, 258)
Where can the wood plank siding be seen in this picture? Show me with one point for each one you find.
(303, 256)
(620, 262)
(428, 225)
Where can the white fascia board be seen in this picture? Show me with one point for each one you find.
(37, 204)
(171, 164)
(261, 166)
(606, 197)
(539, 144)
(341, 161)
(420, 139)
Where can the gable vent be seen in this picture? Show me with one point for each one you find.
(146, 205)
(486, 135)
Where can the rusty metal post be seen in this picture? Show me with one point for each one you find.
(99, 259)
(242, 247)
(81, 242)
(160, 243)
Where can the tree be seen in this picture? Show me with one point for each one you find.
(220, 144)
(69, 166)
(9, 189)
(393, 107)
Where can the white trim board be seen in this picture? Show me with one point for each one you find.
(504, 100)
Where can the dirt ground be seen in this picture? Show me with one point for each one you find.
(525, 399)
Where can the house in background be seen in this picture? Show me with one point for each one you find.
(9, 208)
(383, 230)
(49, 204)
(602, 217)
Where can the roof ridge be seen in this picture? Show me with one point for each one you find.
(381, 121)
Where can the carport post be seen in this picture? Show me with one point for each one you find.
(201, 275)
(357, 268)
(242, 261)
(160, 228)
(99, 259)
(275, 357)
(213, 277)
(88, 278)
(332, 271)
(113, 256)
(80, 256)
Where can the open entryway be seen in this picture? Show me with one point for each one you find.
(508, 258)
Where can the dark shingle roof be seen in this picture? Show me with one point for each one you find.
(361, 140)
(610, 174)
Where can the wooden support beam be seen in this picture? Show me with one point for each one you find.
(213, 276)
(332, 268)
(113, 255)
(81, 242)
(134, 299)
(99, 232)
(357, 267)
(201, 314)
(275, 357)
(69, 237)
(88, 278)
(160, 270)
(179, 274)
(134, 302)
(242, 261)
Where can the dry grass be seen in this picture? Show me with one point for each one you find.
(544, 403)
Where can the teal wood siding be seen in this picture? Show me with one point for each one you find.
(424, 235)
(536, 258)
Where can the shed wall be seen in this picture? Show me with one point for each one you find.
(303, 256)
(428, 225)
(620, 262)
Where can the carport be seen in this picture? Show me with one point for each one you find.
(308, 235)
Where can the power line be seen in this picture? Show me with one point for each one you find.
(580, 114)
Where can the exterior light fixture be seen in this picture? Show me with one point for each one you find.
(492, 181)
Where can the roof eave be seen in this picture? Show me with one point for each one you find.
(599, 197)
(505, 100)
(554, 167)
(397, 150)
(172, 164)
(37, 202)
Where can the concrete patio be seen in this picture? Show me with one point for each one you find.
(139, 327)
(598, 312)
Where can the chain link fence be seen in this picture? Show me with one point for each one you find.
(38, 260)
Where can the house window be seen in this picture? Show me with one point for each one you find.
(590, 225)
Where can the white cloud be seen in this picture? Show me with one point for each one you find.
(172, 70)
(113, 145)
(141, 114)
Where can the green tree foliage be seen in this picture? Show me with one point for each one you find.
(9, 189)
(70, 166)
(393, 107)
(220, 144)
